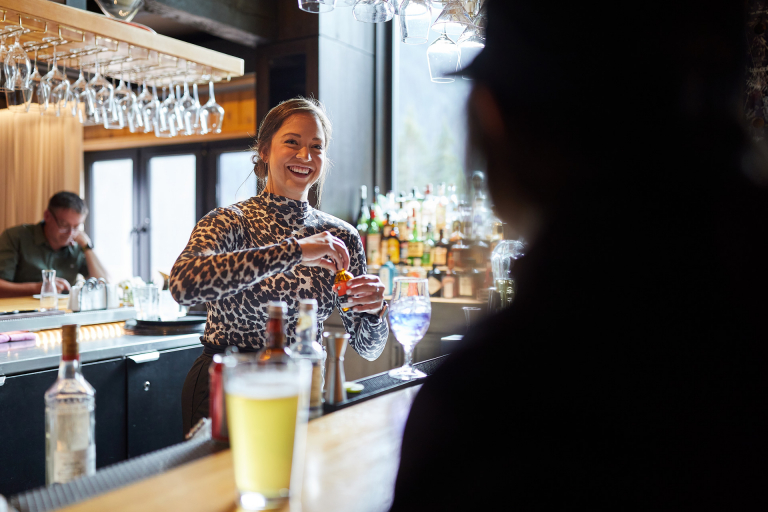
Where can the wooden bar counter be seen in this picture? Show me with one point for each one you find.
(350, 465)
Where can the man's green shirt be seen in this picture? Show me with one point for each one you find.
(24, 252)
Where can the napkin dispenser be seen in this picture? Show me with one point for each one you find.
(93, 294)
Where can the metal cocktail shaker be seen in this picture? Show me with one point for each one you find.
(335, 392)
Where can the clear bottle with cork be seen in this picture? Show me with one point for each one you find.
(309, 349)
(70, 417)
(276, 350)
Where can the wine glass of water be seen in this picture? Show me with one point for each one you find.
(409, 315)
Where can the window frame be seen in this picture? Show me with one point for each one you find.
(206, 185)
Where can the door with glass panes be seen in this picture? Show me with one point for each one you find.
(144, 203)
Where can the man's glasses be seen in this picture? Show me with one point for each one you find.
(64, 228)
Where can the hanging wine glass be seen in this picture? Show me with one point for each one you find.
(114, 119)
(122, 100)
(317, 6)
(166, 117)
(443, 59)
(57, 85)
(64, 107)
(197, 126)
(415, 18)
(453, 20)
(373, 11)
(178, 112)
(102, 94)
(470, 45)
(147, 107)
(133, 112)
(211, 114)
(3, 52)
(18, 71)
(36, 101)
(81, 97)
(189, 111)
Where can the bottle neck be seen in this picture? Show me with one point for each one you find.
(69, 368)
(275, 333)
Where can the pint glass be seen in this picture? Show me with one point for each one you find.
(267, 412)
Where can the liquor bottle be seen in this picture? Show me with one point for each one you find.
(387, 273)
(405, 235)
(309, 349)
(451, 208)
(376, 205)
(393, 245)
(276, 350)
(373, 241)
(441, 208)
(415, 244)
(70, 421)
(449, 283)
(363, 215)
(467, 281)
(428, 207)
(386, 231)
(429, 247)
(440, 254)
(435, 281)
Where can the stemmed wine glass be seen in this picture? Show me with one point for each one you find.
(167, 124)
(145, 104)
(415, 18)
(190, 108)
(57, 85)
(133, 113)
(122, 103)
(3, 51)
(82, 102)
(102, 94)
(197, 126)
(373, 11)
(443, 59)
(409, 315)
(211, 114)
(18, 71)
(36, 100)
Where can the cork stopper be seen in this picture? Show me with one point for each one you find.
(277, 309)
(70, 338)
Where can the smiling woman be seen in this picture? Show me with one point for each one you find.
(276, 247)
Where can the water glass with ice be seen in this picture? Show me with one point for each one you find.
(409, 315)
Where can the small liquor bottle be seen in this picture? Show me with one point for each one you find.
(70, 421)
(429, 247)
(415, 244)
(276, 350)
(449, 283)
(308, 348)
(373, 241)
(440, 254)
(435, 280)
(393, 245)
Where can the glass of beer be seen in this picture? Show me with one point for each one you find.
(267, 412)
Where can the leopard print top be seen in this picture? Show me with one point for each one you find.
(241, 257)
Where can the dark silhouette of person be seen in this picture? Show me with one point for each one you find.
(630, 372)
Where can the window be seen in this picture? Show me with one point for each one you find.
(429, 121)
(236, 181)
(172, 205)
(111, 215)
(145, 202)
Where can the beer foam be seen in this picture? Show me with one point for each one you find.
(263, 385)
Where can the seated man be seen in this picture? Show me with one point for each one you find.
(58, 243)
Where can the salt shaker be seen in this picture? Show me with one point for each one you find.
(335, 392)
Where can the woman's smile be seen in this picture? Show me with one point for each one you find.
(300, 170)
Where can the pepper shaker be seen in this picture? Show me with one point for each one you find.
(335, 392)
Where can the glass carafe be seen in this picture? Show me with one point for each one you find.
(48, 297)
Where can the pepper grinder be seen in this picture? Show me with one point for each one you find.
(335, 392)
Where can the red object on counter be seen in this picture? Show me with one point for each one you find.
(218, 406)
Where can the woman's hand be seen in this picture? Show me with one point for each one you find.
(366, 293)
(324, 250)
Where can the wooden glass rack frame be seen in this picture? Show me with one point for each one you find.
(81, 38)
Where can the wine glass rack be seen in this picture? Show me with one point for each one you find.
(121, 49)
